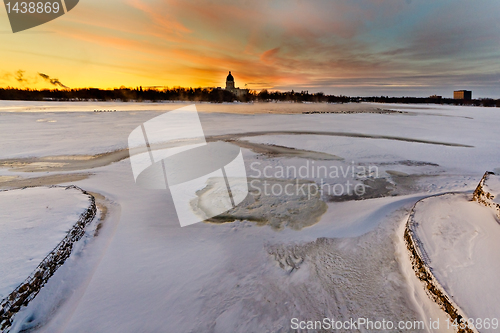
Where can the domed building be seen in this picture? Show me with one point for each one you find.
(229, 82)
(231, 86)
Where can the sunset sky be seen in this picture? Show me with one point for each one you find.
(351, 47)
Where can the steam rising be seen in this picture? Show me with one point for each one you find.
(54, 82)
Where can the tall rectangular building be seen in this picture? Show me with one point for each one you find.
(462, 94)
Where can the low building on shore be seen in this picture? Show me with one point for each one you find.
(462, 94)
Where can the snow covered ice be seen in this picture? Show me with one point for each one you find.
(143, 272)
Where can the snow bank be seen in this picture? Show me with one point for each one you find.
(37, 232)
(457, 255)
(421, 265)
(487, 192)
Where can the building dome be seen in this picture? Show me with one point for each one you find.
(230, 77)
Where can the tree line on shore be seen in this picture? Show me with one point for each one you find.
(488, 102)
(167, 94)
(215, 95)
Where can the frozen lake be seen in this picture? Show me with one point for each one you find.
(146, 273)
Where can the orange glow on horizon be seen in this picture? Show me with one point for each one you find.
(333, 47)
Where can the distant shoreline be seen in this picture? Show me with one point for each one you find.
(250, 108)
(218, 95)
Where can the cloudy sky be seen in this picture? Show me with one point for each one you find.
(351, 47)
